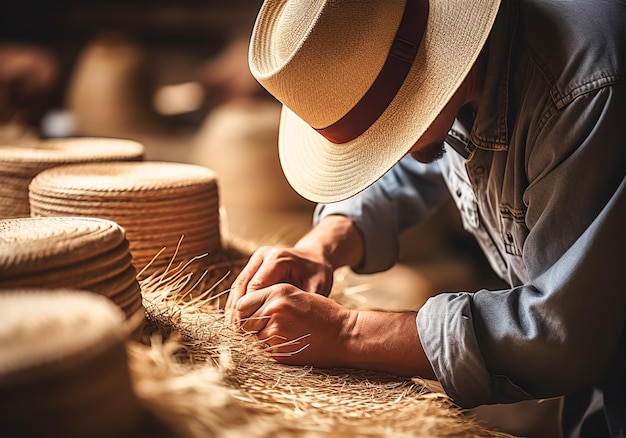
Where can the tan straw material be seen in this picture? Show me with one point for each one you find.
(149, 180)
(32, 153)
(91, 270)
(62, 201)
(320, 57)
(253, 396)
(162, 206)
(63, 368)
(21, 160)
(32, 244)
(69, 252)
(36, 324)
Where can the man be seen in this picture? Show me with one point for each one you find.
(515, 109)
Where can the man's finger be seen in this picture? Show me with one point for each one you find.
(251, 303)
(240, 285)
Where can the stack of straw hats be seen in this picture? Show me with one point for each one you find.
(63, 368)
(68, 252)
(21, 160)
(157, 204)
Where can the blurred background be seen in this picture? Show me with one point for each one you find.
(174, 76)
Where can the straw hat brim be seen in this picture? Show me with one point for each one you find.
(325, 172)
(27, 157)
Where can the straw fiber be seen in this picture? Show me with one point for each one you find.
(69, 252)
(204, 378)
(22, 160)
(162, 206)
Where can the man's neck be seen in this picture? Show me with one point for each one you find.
(475, 81)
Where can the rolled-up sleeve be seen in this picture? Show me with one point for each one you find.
(446, 327)
(550, 338)
(400, 199)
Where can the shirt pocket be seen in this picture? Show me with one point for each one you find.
(513, 230)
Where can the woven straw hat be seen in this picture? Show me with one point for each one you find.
(21, 160)
(360, 82)
(63, 367)
(69, 252)
(157, 204)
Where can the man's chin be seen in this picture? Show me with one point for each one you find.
(429, 153)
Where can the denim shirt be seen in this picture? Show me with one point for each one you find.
(540, 182)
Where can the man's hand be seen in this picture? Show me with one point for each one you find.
(300, 328)
(272, 298)
(309, 265)
(269, 266)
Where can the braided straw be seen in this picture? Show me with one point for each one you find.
(33, 244)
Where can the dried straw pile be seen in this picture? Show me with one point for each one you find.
(205, 379)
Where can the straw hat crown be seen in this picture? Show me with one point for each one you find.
(309, 52)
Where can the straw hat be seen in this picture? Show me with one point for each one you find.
(69, 252)
(110, 86)
(361, 81)
(157, 204)
(63, 367)
(21, 160)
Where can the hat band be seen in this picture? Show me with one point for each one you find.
(389, 80)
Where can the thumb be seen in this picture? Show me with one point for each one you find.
(251, 303)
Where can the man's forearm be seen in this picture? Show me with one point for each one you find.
(339, 240)
(381, 341)
(387, 342)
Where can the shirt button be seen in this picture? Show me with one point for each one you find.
(480, 170)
